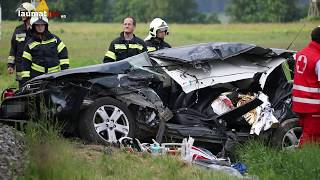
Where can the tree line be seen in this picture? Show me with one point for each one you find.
(177, 11)
(249, 11)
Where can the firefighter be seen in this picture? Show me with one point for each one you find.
(127, 44)
(157, 32)
(44, 52)
(306, 89)
(21, 35)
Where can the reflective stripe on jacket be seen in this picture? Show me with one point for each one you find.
(155, 44)
(44, 56)
(20, 37)
(120, 48)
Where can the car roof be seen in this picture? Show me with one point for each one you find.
(199, 53)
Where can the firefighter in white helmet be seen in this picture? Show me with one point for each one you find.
(159, 29)
(44, 52)
(21, 35)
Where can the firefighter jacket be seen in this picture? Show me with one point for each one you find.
(19, 38)
(306, 87)
(46, 55)
(120, 48)
(155, 44)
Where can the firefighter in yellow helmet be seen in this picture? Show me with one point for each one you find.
(44, 52)
(159, 29)
(21, 35)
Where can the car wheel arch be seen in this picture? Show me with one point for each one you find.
(87, 121)
(279, 134)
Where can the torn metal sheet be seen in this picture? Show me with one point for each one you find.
(148, 98)
(216, 72)
(139, 98)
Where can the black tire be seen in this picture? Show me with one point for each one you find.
(89, 118)
(283, 137)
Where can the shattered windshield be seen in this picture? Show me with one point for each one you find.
(141, 61)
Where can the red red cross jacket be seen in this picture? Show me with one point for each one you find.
(306, 86)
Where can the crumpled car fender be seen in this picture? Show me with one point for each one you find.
(147, 97)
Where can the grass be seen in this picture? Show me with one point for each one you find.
(52, 157)
(269, 163)
(65, 160)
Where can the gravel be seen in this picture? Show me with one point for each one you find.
(12, 152)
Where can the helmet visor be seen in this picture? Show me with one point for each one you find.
(40, 21)
(163, 29)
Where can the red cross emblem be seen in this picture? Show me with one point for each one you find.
(301, 64)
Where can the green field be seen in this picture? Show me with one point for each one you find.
(87, 43)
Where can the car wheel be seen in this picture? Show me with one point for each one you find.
(287, 136)
(106, 121)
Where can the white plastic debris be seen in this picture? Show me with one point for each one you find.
(186, 149)
(221, 105)
(205, 159)
(226, 169)
(265, 119)
(260, 118)
(189, 153)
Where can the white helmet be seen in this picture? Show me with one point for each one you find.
(26, 7)
(39, 20)
(155, 25)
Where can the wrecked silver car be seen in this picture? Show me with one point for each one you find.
(212, 92)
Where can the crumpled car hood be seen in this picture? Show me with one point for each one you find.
(109, 68)
(219, 72)
(198, 66)
(119, 67)
(200, 53)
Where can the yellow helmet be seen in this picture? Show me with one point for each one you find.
(26, 7)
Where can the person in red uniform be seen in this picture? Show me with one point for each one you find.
(306, 89)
